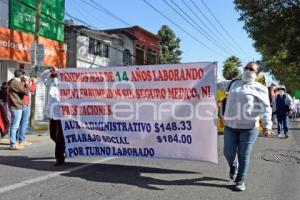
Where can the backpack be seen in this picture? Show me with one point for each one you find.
(282, 105)
(225, 99)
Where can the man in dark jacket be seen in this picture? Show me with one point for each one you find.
(283, 109)
(16, 91)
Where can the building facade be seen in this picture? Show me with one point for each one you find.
(115, 47)
(17, 43)
(145, 44)
(88, 48)
(16, 51)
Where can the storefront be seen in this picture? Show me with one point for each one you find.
(16, 51)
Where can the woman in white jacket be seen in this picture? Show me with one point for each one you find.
(247, 100)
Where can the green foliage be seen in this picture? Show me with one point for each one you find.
(274, 27)
(231, 68)
(169, 46)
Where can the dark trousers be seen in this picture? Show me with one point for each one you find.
(282, 121)
(56, 134)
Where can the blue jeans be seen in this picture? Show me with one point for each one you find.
(16, 116)
(282, 121)
(238, 143)
(24, 123)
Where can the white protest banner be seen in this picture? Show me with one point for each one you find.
(161, 111)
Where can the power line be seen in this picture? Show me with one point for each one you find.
(82, 33)
(84, 13)
(206, 26)
(88, 25)
(77, 19)
(223, 28)
(179, 27)
(77, 10)
(100, 8)
(217, 31)
(197, 27)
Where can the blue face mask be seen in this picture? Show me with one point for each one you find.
(55, 81)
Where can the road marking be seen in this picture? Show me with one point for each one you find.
(42, 178)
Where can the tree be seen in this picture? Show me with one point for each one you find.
(231, 68)
(169, 46)
(274, 27)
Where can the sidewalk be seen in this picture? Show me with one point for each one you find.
(32, 136)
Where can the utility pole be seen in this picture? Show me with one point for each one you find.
(37, 31)
(36, 52)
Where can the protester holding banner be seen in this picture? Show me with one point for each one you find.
(172, 116)
(247, 100)
(52, 111)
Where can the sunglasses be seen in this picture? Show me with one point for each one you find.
(249, 68)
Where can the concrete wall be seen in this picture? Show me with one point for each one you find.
(86, 60)
(128, 44)
(78, 48)
(7, 69)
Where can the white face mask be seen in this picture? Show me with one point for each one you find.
(55, 81)
(281, 92)
(249, 76)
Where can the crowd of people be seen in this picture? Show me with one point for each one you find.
(241, 115)
(16, 107)
(283, 108)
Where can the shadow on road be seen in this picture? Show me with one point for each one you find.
(116, 174)
(295, 128)
(134, 175)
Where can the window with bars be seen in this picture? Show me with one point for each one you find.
(151, 56)
(98, 48)
(127, 57)
(139, 55)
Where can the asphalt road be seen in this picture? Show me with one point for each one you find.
(29, 174)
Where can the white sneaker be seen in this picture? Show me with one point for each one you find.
(274, 133)
(280, 135)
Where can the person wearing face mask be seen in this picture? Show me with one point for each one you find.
(16, 92)
(283, 110)
(247, 100)
(52, 111)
